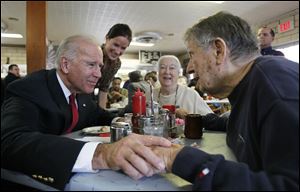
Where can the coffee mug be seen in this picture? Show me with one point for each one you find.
(193, 126)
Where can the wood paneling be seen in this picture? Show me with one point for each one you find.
(36, 35)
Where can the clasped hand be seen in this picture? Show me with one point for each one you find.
(137, 155)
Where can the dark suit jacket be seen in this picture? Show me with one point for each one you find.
(2, 90)
(10, 78)
(31, 120)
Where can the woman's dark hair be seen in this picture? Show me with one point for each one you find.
(119, 30)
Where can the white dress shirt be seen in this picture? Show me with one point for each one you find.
(84, 160)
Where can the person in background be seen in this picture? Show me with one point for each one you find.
(117, 40)
(182, 80)
(266, 36)
(126, 84)
(171, 93)
(136, 82)
(152, 78)
(13, 74)
(117, 94)
(51, 54)
(38, 112)
(263, 126)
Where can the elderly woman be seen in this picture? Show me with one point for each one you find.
(170, 92)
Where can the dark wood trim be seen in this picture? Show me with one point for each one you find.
(36, 35)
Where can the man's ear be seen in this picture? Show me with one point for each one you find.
(219, 50)
(64, 64)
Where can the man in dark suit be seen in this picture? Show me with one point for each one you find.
(37, 113)
(13, 74)
(266, 36)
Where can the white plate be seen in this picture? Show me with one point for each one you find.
(96, 130)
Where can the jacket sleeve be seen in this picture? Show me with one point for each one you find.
(28, 147)
(214, 122)
(212, 172)
(277, 164)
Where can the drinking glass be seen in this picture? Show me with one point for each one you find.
(154, 127)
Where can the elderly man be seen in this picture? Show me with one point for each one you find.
(263, 127)
(47, 104)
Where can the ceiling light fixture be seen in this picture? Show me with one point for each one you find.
(11, 35)
(8, 35)
(146, 39)
(133, 43)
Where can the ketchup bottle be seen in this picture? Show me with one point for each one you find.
(139, 103)
(138, 110)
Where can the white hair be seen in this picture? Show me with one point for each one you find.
(70, 47)
(177, 62)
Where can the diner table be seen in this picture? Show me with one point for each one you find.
(109, 180)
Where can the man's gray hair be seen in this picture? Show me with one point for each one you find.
(233, 30)
(177, 62)
(70, 48)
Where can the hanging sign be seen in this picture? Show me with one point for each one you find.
(286, 26)
(150, 57)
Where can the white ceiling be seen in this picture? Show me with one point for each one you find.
(65, 18)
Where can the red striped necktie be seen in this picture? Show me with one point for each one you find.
(75, 115)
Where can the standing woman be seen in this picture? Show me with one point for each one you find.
(117, 40)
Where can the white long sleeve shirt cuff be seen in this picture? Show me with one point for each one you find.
(84, 159)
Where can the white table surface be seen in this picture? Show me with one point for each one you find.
(211, 142)
(109, 180)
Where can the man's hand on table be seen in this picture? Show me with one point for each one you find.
(132, 154)
(168, 154)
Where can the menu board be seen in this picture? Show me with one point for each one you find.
(150, 57)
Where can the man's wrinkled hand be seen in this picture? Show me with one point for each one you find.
(132, 154)
(168, 154)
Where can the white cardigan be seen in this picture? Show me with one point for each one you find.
(186, 98)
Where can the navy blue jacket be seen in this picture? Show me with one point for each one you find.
(262, 131)
(270, 51)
